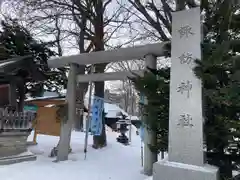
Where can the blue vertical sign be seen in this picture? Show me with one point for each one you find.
(97, 115)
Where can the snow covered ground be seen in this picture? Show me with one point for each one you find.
(115, 162)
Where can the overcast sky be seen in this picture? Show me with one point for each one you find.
(123, 35)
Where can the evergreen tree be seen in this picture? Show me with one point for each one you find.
(219, 71)
(155, 86)
(16, 41)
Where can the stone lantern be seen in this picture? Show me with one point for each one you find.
(122, 128)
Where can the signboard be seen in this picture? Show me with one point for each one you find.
(97, 115)
(32, 108)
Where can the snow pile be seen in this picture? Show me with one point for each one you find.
(149, 178)
(108, 129)
(113, 110)
(134, 118)
(134, 129)
(134, 132)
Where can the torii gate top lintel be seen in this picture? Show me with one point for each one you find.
(122, 54)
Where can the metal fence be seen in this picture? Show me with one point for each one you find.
(16, 120)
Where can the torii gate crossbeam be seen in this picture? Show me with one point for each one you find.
(122, 54)
(110, 76)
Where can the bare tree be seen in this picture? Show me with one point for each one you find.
(155, 16)
(154, 19)
(122, 94)
(84, 25)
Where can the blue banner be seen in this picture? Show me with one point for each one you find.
(97, 115)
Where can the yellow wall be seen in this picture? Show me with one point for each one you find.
(47, 122)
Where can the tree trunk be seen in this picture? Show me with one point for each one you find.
(81, 87)
(80, 94)
(180, 5)
(99, 141)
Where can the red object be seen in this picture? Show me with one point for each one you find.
(4, 94)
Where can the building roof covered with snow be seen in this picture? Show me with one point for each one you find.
(112, 110)
(134, 118)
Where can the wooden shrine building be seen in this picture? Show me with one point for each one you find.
(14, 73)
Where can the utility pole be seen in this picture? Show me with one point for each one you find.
(132, 95)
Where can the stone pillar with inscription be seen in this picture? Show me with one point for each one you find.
(186, 156)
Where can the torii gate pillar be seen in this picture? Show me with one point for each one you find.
(66, 128)
(149, 156)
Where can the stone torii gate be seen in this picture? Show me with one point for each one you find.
(150, 52)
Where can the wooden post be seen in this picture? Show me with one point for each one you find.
(35, 137)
